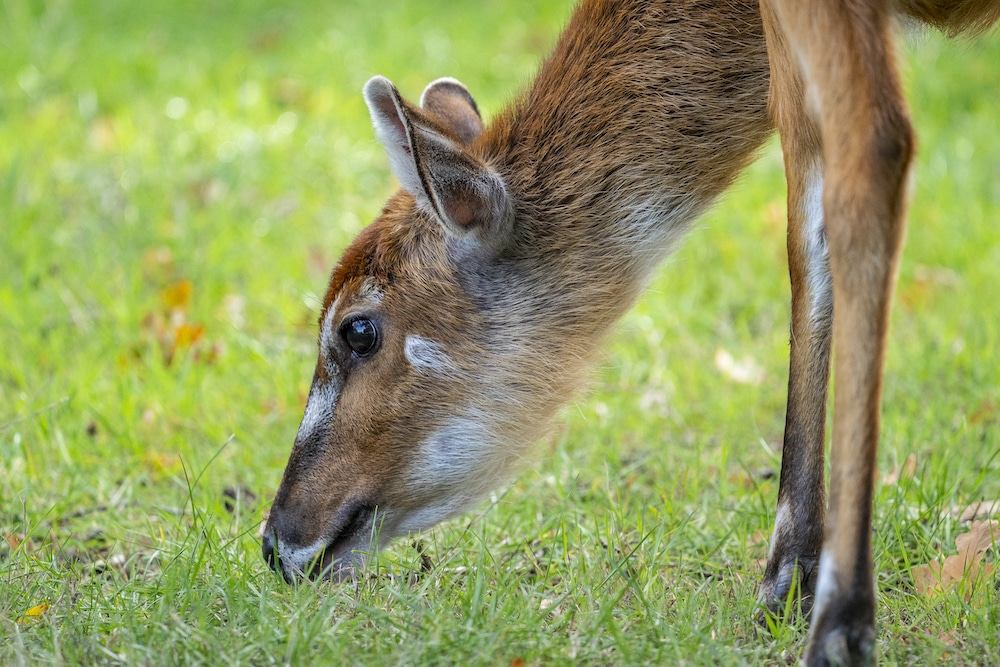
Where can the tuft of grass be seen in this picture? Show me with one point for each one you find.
(176, 181)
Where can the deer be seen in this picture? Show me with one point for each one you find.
(457, 323)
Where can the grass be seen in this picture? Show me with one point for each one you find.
(176, 181)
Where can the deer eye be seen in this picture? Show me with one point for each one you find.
(361, 335)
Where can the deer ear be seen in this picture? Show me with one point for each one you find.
(452, 104)
(432, 163)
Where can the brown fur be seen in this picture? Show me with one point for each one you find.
(494, 277)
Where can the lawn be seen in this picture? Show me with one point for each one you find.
(178, 178)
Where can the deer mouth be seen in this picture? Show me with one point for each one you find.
(341, 556)
(336, 557)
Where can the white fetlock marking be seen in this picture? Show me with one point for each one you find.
(826, 584)
(781, 518)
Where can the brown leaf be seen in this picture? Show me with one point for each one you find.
(987, 411)
(187, 334)
(965, 568)
(981, 536)
(927, 578)
(981, 510)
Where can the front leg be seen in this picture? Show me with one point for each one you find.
(799, 520)
(844, 55)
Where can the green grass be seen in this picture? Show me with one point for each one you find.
(227, 145)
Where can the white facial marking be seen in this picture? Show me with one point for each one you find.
(455, 451)
(323, 397)
(817, 254)
(298, 559)
(424, 354)
(326, 332)
(458, 464)
(319, 409)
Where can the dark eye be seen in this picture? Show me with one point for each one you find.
(361, 336)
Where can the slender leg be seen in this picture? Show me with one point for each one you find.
(852, 93)
(801, 510)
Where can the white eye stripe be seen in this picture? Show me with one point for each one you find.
(424, 354)
(326, 332)
(319, 409)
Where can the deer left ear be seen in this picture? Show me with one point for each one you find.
(433, 163)
(451, 103)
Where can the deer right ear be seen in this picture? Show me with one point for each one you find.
(432, 163)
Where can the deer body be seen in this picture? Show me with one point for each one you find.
(457, 323)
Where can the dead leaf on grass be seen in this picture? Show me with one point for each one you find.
(982, 510)
(964, 570)
(15, 540)
(986, 412)
(171, 329)
(981, 536)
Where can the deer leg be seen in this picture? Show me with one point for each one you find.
(852, 93)
(798, 527)
(799, 520)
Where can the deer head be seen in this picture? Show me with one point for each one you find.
(424, 393)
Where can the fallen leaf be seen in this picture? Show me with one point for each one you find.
(987, 411)
(963, 570)
(34, 613)
(981, 536)
(160, 463)
(927, 578)
(186, 335)
(947, 638)
(981, 510)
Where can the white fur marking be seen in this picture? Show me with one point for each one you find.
(326, 329)
(300, 558)
(781, 517)
(323, 397)
(319, 409)
(826, 584)
(817, 253)
(457, 466)
(426, 354)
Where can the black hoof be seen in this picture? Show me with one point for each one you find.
(787, 590)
